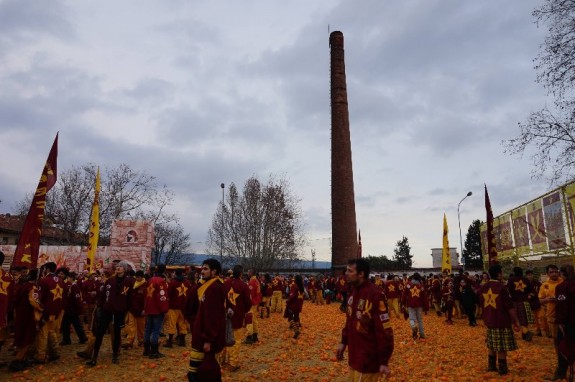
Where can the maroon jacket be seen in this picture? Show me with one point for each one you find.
(157, 296)
(565, 305)
(90, 291)
(367, 330)
(178, 291)
(73, 303)
(392, 289)
(210, 316)
(115, 294)
(519, 288)
(26, 308)
(496, 302)
(415, 296)
(238, 299)
(138, 298)
(295, 299)
(6, 291)
(51, 289)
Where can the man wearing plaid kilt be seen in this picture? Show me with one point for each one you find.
(500, 317)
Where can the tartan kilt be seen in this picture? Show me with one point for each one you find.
(500, 339)
(521, 312)
(529, 313)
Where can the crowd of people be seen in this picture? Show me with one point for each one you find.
(221, 310)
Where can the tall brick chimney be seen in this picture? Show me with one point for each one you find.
(343, 223)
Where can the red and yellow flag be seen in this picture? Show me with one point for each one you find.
(94, 225)
(26, 254)
(445, 257)
(491, 244)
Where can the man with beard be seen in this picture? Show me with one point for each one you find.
(367, 330)
(113, 303)
(208, 331)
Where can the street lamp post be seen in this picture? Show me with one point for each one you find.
(459, 221)
(223, 186)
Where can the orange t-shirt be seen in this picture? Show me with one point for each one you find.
(548, 290)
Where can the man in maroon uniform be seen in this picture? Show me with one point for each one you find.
(520, 289)
(178, 290)
(113, 303)
(499, 316)
(208, 331)
(256, 296)
(239, 302)
(156, 306)
(367, 330)
(565, 319)
(277, 292)
(89, 289)
(72, 310)
(392, 293)
(6, 286)
(414, 298)
(436, 294)
(136, 318)
(51, 293)
(27, 312)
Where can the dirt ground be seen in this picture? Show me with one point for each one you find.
(450, 353)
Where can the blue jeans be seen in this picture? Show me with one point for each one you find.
(153, 327)
(416, 314)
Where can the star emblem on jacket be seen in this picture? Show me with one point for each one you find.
(151, 290)
(232, 296)
(415, 292)
(490, 298)
(391, 288)
(57, 292)
(182, 290)
(520, 285)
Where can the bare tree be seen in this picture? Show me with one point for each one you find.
(171, 244)
(261, 228)
(551, 130)
(125, 193)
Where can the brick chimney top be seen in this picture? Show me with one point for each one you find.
(336, 39)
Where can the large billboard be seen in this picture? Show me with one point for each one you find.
(543, 225)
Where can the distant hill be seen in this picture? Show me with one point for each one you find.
(198, 258)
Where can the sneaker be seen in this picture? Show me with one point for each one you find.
(296, 335)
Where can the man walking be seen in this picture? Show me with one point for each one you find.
(367, 329)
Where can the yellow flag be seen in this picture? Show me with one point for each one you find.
(445, 258)
(94, 225)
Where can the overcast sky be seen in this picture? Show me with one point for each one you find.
(200, 93)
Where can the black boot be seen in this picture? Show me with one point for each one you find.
(503, 369)
(170, 343)
(561, 371)
(115, 358)
(155, 353)
(255, 337)
(491, 363)
(181, 340)
(192, 377)
(146, 349)
(92, 362)
(261, 312)
(267, 312)
(414, 333)
(249, 340)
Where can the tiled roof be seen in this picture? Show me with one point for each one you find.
(14, 223)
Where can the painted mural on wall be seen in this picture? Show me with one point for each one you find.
(131, 240)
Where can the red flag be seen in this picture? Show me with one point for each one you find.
(359, 246)
(491, 244)
(29, 243)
